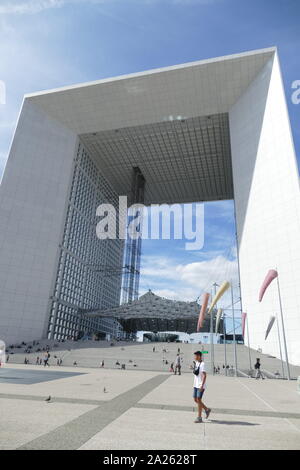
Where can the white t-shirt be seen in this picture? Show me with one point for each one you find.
(198, 379)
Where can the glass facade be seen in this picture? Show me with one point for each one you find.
(89, 270)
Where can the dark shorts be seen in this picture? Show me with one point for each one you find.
(197, 393)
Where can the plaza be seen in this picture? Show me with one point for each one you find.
(145, 410)
(143, 407)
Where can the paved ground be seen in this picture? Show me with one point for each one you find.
(30, 376)
(114, 409)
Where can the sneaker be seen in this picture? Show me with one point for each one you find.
(198, 420)
(207, 413)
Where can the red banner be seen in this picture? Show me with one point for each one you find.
(244, 316)
(205, 299)
(272, 274)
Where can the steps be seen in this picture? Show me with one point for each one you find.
(91, 354)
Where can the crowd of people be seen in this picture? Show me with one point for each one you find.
(174, 366)
(35, 347)
(44, 360)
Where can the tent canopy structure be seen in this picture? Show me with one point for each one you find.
(154, 313)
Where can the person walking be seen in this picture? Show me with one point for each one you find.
(178, 365)
(46, 359)
(259, 373)
(199, 386)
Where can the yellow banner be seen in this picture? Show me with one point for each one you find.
(221, 291)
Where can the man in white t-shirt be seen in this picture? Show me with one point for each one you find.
(199, 385)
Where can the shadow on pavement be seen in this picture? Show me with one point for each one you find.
(236, 423)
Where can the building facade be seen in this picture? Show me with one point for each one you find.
(209, 130)
(82, 279)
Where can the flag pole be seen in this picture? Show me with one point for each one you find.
(234, 341)
(212, 366)
(224, 335)
(248, 337)
(283, 331)
(212, 324)
(279, 342)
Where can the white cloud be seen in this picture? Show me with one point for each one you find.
(208, 272)
(32, 6)
(7, 125)
(186, 281)
(27, 65)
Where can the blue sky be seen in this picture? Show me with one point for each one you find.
(51, 43)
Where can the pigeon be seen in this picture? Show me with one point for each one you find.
(48, 399)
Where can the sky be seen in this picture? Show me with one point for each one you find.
(51, 43)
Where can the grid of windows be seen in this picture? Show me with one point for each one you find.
(82, 281)
(182, 160)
